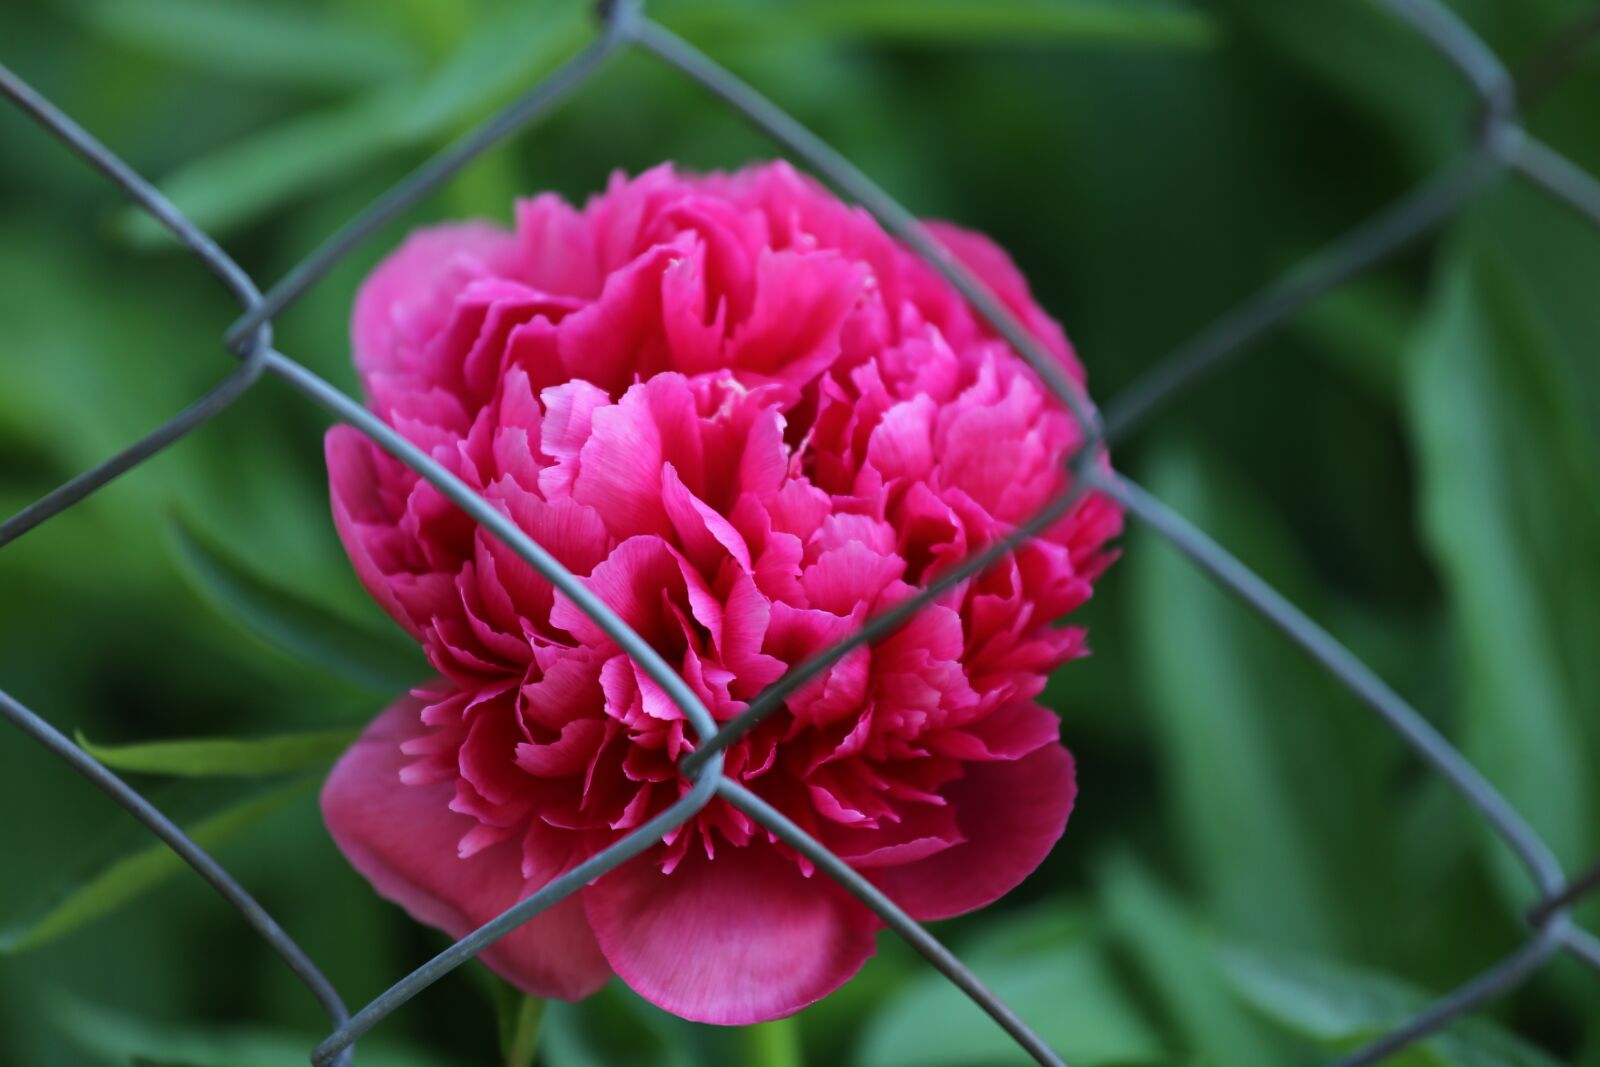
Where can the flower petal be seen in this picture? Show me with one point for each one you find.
(736, 940)
(995, 269)
(1010, 813)
(360, 516)
(404, 838)
(411, 294)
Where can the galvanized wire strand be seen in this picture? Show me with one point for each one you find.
(848, 178)
(845, 176)
(499, 525)
(1501, 145)
(1417, 732)
(192, 854)
(883, 624)
(1560, 177)
(891, 913)
(553, 892)
(707, 774)
(1349, 672)
(1455, 41)
(1550, 63)
(87, 147)
(201, 411)
(233, 277)
(1569, 894)
(97, 155)
(1371, 241)
(1583, 946)
(1484, 986)
(528, 108)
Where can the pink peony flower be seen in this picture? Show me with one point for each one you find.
(749, 420)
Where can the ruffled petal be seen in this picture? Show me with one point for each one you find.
(404, 839)
(411, 294)
(996, 270)
(360, 517)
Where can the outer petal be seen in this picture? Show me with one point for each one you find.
(353, 495)
(995, 269)
(404, 840)
(736, 940)
(1011, 814)
(412, 290)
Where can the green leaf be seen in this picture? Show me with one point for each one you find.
(241, 183)
(504, 55)
(512, 49)
(1044, 965)
(1278, 778)
(1360, 326)
(960, 22)
(382, 660)
(1178, 963)
(141, 871)
(225, 756)
(1343, 1007)
(612, 1027)
(261, 42)
(123, 1039)
(1373, 60)
(1510, 487)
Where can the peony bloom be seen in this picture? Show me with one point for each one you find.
(748, 420)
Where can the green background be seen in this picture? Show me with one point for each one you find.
(1257, 871)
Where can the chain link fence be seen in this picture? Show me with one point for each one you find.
(1500, 147)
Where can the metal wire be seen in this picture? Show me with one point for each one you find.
(1487, 984)
(1501, 146)
(197, 241)
(180, 842)
(1369, 243)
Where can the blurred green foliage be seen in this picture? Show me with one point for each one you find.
(1257, 872)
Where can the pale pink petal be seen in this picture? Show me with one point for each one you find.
(902, 444)
(619, 473)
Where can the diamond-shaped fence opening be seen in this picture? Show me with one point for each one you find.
(1501, 146)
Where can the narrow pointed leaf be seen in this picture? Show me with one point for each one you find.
(958, 22)
(1510, 484)
(225, 756)
(105, 1032)
(383, 660)
(1342, 1007)
(255, 42)
(141, 871)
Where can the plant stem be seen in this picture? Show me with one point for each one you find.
(519, 1027)
(774, 1044)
